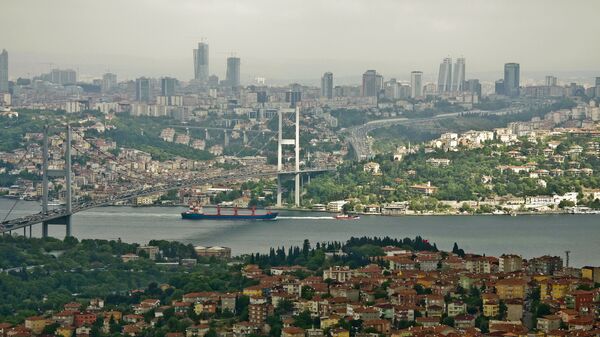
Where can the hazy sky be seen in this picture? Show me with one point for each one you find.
(300, 39)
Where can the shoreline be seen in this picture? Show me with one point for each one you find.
(307, 210)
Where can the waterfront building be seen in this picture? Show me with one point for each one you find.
(416, 84)
(327, 85)
(512, 73)
(201, 69)
(214, 251)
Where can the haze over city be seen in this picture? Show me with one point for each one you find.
(285, 41)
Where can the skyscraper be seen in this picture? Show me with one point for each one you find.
(458, 77)
(233, 71)
(142, 90)
(327, 85)
(445, 76)
(511, 79)
(597, 81)
(372, 82)
(4, 71)
(109, 81)
(201, 62)
(167, 86)
(416, 84)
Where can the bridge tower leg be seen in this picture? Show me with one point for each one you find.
(225, 139)
(69, 176)
(296, 142)
(45, 181)
(279, 158)
(297, 155)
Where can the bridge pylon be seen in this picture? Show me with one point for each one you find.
(296, 143)
(68, 174)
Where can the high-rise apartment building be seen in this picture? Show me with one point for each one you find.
(473, 86)
(201, 62)
(109, 82)
(445, 76)
(327, 85)
(63, 77)
(551, 81)
(4, 71)
(512, 73)
(416, 84)
(372, 83)
(167, 86)
(142, 90)
(458, 75)
(233, 72)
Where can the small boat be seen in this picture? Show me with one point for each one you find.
(346, 217)
(197, 213)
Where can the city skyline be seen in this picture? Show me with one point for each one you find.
(274, 57)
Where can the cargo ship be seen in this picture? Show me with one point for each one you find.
(197, 213)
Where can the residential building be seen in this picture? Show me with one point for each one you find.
(416, 84)
(142, 90)
(372, 83)
(509, 263)
(167, 86)
(508, 289)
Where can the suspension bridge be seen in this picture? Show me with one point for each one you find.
(63, 216)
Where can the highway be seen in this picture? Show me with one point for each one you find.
(358, 136)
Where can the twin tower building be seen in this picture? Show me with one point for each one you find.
(201, 68)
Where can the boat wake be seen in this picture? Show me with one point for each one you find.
(306, 217)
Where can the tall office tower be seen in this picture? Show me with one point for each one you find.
(416, 84)
(142, 90)
(511, 79)
(167, 86)
(473, 86)
(372, 83)
(458, 77)
(551, 81)
(232, 77)
(327, 85)
(109, 81)
(445, 76)
(201, 62)
(597, 81)
(4, 71)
